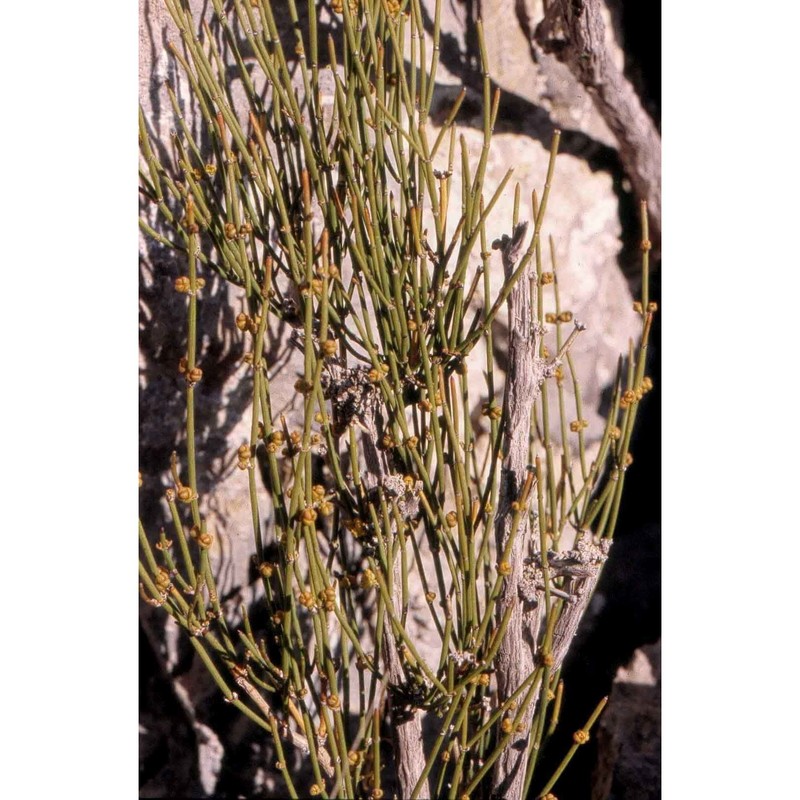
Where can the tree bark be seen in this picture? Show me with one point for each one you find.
(409, 753)
(573, 31)
(515, 657)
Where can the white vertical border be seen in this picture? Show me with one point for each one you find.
(68, 542)
(730, 298)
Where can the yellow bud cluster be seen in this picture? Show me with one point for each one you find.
(628, 397)
(327, 597)
(307, 600)
(244, 453)
(356, 527)
(491, 410)
(368, 579)
(580, 737)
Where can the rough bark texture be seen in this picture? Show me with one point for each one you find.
(573, 31)
(515, 658)
(409, 754)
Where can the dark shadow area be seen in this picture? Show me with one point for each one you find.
(165, 736)
(629, 614)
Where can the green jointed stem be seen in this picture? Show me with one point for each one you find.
(349, 220)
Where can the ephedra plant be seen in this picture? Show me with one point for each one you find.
(337, 222)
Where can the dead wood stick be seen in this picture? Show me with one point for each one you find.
(526, 372)
(573, 31)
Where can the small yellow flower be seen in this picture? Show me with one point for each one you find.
(185, 494)
(308, 516)
(356, 527)
(307, 600)
(627, 398)
(368, 579)
(163, 581)
(205, 540)
(182, 284)
(580, 737)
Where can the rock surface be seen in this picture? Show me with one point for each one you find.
(629, 734)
